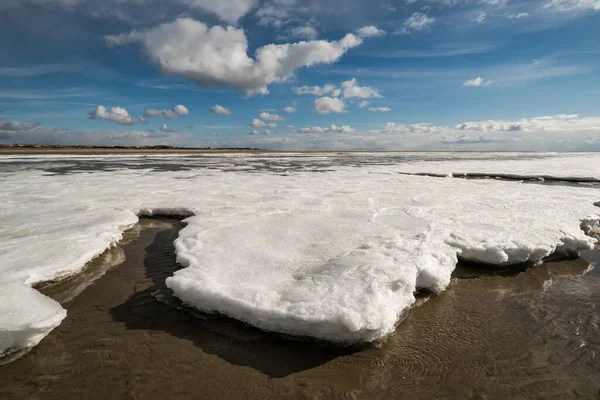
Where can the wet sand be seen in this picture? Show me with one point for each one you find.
(522, 333)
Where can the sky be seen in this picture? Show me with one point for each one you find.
(302, 74)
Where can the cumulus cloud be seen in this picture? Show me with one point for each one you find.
(265, 116)
(479, 81)
(290, 109)
(174, 113)
(220, 110)
(218, 56)
(351, 89)
(115, 114)
(315, 90)
(380, 109)
(363, 104)
(370, 31)
(416, 22)
(328, 105)
(331, 129)
(257, 123)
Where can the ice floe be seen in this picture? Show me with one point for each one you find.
(335, 255)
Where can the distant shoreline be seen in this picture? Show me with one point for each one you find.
(52, 149)
(25, 149)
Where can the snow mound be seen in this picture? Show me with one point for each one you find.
(311, 273)
(26, 317)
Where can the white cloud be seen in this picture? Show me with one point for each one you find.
(165, 128)
(16, 126)
(115, 114)
(380, 109)
(265, 116)
(315, 90)
(482, 16)
(518, 16)
(257, 132)
(227, 10)
(275, 13)
(561, 122)
(257, 123)
(290, 109)
(332, 129)
(370, 31)
(479, 81)
(218, 56)
(364, 104)
(416, 22)
(302, 32)
(175, 112)
(573, 5)
(328, 105)
(351, 89)
(220, 110)
(393, 128)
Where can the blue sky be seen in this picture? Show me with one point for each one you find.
(378, 74)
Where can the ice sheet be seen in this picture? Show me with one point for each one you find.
(335, 254)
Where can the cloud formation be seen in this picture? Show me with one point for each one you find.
(115, 114)
(370, 31)
(380, 109)
(289, 109)
(218, 56)
(174, 113)
(351, 89)
(317, 90)
(572, 5)
(165, 128)
(331, 129)
(257, 123)
(476, 82)
(220, 110)
(265, 116)
(329, 105)
(416, 22)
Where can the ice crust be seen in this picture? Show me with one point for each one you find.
(334, 255)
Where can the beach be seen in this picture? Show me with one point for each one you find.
(521, 333)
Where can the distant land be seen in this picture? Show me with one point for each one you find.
(8, 149)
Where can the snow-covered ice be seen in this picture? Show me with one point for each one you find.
(335, 254)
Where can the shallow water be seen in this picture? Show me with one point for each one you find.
(523, 333)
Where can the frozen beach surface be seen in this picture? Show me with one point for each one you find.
(557, 166)
(332, 250)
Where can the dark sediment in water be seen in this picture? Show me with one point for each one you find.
(526, 333)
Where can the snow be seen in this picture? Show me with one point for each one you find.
(26, 317)
(335, 254)
(548, 166)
